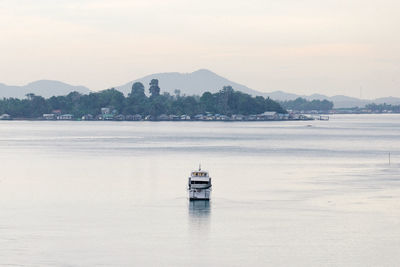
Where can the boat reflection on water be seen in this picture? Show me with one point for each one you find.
(199, 214)
(199, 208)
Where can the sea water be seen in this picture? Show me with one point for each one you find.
(294, 193)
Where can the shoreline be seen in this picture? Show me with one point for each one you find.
(20, 119)
(227, 121)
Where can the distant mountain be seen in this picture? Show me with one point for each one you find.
(388, 100)
(280, 95)
(45, 88)
(341, 101)
(195, 83)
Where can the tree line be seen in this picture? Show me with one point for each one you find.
(301, 104)
(383, 107)
(225, 102)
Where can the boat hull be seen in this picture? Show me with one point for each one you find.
(199, 194)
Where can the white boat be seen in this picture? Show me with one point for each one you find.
(199, 185)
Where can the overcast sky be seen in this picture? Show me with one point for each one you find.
(299, 46)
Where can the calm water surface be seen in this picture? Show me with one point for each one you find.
(318, 193)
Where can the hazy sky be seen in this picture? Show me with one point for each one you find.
(299, 46)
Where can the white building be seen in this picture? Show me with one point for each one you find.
(65, 117)
(5, 117)
(49, 116)
(268, 115)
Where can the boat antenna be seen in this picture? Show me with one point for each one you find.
(200, 167)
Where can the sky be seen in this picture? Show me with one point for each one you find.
(299, 46)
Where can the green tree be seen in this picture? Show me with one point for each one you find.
(154, 88)
(37, 106)
(137, 91)
(208, 102)
(112, 98)
(227, 101)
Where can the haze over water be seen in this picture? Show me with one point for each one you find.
(318, 193)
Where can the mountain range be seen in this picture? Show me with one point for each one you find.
(194, 83)
(45, 88)
(202, 80)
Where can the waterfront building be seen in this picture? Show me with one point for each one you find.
(49, 116)
(65, 117)
(5, 116)
(268, 115)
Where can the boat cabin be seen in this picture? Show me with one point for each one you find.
(199, 174)
(199, 185)
(199, 179)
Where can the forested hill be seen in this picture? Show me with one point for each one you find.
(301, 104)
(225, 102)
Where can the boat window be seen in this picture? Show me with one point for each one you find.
(199, 174)
(199, 182)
